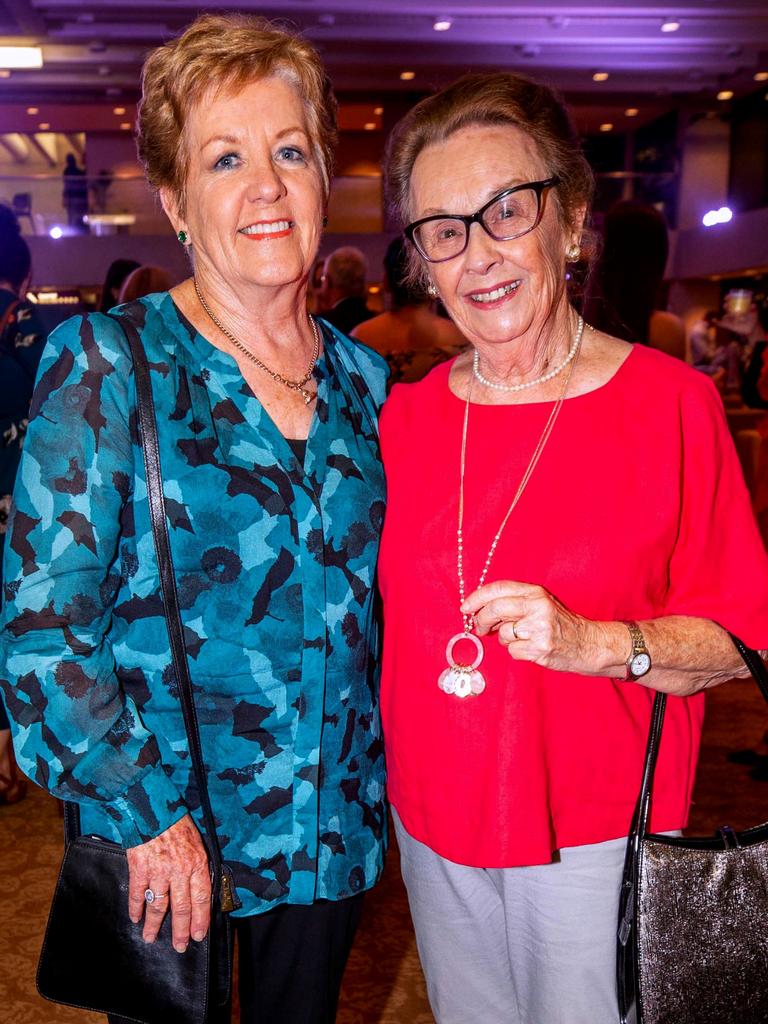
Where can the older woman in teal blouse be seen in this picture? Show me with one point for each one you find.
(275, 500)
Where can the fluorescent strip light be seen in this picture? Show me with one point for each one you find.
(21, 57)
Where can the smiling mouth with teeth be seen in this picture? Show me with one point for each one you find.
(268, 230)
(496, 294)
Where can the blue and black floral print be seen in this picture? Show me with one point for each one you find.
(275, 565)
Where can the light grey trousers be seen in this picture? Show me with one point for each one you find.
(526, 945)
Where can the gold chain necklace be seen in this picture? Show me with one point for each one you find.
(294, 385)
(465, 680)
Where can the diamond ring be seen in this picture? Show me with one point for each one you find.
(150, 895)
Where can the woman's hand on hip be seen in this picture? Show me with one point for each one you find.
(534, 626)
(174, 865)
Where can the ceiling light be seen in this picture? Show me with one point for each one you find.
(119, 111)
(721, 216)
(600, 76)
(442, 24)
(378, 111)
(407, 76)
(33, 110)
(670, 25)
(761, 76)
(56, 231)
(725, 94)
(631, 112)
(126, 126)
(607, 127)
(370, 126)
(21, 57)
(44, 126)
(4, 73)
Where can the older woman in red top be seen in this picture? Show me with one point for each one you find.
(567, 531)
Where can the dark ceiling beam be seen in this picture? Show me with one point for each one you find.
(41, 150)
(26, 17)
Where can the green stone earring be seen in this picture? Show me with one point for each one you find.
(182, 237)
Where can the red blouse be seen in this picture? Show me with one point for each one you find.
(636, 509)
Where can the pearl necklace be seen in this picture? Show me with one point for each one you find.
(538, 380)
(464, 680)
(293, 385)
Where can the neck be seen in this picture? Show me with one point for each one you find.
(542, 347)
(261, 318)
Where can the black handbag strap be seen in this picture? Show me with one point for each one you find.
(642, 813)
(156, 499)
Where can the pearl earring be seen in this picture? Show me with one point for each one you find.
(573, 253)
(431, 291)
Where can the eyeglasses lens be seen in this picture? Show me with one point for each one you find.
(513, 215)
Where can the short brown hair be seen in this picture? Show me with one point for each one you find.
(496, 98)
(226, 52)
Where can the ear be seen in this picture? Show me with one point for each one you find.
(577, 225)
(169, 200)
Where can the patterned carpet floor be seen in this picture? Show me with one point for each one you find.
(384, 983)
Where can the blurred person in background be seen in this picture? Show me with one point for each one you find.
(21, 344)
(624, 291)
(409, 335)
(267, 423)
(342, 298)
(117, 272)
(145, 280)
(75, 194)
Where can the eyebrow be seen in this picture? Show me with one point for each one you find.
(234, 140)
(435, 211)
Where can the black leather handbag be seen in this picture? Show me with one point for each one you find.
(692, 939)
(93, 956)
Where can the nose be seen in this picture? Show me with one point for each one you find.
(481, 253)
(265, 184)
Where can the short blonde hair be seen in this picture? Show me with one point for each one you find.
(226, 52)
(495, 98)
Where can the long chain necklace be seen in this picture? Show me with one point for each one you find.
(294, 385)
(529, 383)
(464, 680)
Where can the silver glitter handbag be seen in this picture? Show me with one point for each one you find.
(693, 936)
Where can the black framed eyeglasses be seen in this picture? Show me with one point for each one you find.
(510, 214)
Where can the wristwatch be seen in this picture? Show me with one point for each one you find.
(639, 660)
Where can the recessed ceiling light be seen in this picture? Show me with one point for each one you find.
(126, 126)
(407, 76)
(631, 112)
(670, 25)
(370, 126)
(33, 110)
(21, 57)
(119, 111)
(442, 24)
(725, 94)
(44, 126)
(600, 76)
(761, 76)
(378, 111)
(607, 127)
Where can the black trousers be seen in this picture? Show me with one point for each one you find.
(291, 963)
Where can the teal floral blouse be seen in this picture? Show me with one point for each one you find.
(275, 563)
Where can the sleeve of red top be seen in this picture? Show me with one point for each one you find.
(719, 567)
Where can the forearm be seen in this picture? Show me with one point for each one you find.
(687, 654)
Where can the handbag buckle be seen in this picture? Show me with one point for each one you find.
(729, 837)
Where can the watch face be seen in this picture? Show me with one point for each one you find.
(639, 665)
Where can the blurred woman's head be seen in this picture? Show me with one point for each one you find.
(116, 274)
(144, 281)
(15, 258)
